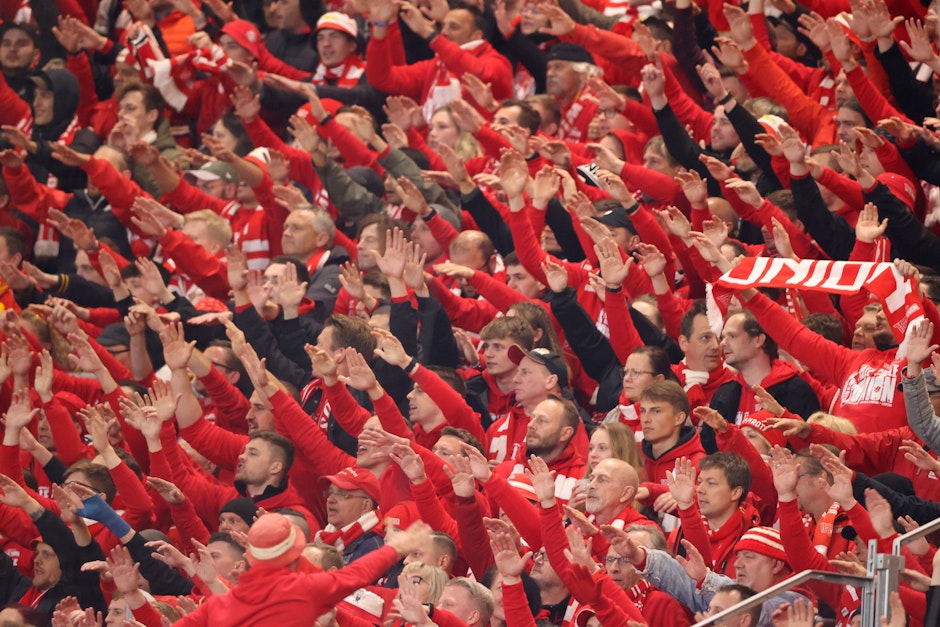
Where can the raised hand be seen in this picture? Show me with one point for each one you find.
(786, 473)
(506, 556)
(693, 563)
(868, 228)
(361, 376)
(542, 480)
(675, 222)
(513, 175)
(167, 490)
(613, 267)
(397, 250)
(390, 348)
(556, 275)
(652, 260)
(409, 462)
(681, 482)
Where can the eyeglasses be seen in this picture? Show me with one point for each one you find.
(343, 495)
(539, 555)
(609, 113)
(118, 352)
(619, 561)
(417, 580)
(633, 373)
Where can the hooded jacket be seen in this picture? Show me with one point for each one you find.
(271, 595)
(64, 126)
(688, 445)
(734, 400)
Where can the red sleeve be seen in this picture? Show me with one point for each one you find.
(30, 197)
(624, 337)
(765, 78)
(218, 445)
(828, 8)
(134, 440)
(432, 512)
(469, 515)
(516, 606)
(269, 63)
(615, 607)
(532, 255)
(465, 313)
(353, 150)
(490, 66)
(619, 50)
(848, 190)
(693, 528)
(688, 112)
(672, 310)
(184, 516)
(390, 417)
(230, 404)
(68, 443)
(762, 480)
(148, 615)
(651, 232)
(416, 140)
(492, 142)
(309, 439)
(120, 190)
(801, 551)
(554, 539)
(10, 466)
(187, 198)
(301, 166)
(497, 293)
(870, 453)
(138, 505)
(347, 411)
(521, 512)
(458, 413)
(876, 106)
(78, 65)
(442, 230)
(642, 117)
(826, 359)
(663, 189)
(402, 80)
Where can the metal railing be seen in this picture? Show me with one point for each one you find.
(787, 584)
(881, 578)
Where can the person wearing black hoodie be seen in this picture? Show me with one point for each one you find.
(55, 103)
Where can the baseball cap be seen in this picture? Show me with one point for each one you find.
(338, 21)
(617, 217)
(245, 35)
(214, 171)
(550, 359)
(567, 51)
(353, 478)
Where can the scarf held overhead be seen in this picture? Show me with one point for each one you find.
(898, 294)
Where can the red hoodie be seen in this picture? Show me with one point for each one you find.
(688, 445)
(272, 595)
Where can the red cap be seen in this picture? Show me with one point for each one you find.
(353, 478)
(901, 187)
(245, 35)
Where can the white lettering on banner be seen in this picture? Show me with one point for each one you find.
(757, 269)
(871, 386)
(500, 443)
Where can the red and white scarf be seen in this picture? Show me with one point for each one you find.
(825, 528)
(899, 296)
(639, 592)
(341, 538)
(445, 87)
(346, 74)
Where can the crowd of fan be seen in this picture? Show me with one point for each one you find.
(375, 313)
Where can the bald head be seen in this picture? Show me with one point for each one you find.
(614, 484)
(112, 156)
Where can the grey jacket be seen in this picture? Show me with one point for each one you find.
(664, 572)
(920, 414)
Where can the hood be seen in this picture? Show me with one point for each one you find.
(687, 446)
(65, 87)
(260, 583)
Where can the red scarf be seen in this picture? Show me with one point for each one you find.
(346, 74)
(824, 529)
(630, 415)
(639, 592)
(899, 295)
(341, 538)
(317, 260)
(33, 596)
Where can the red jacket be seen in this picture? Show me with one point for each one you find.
(417, 81)
(870, 380)
(688, 445)
(270, 595)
